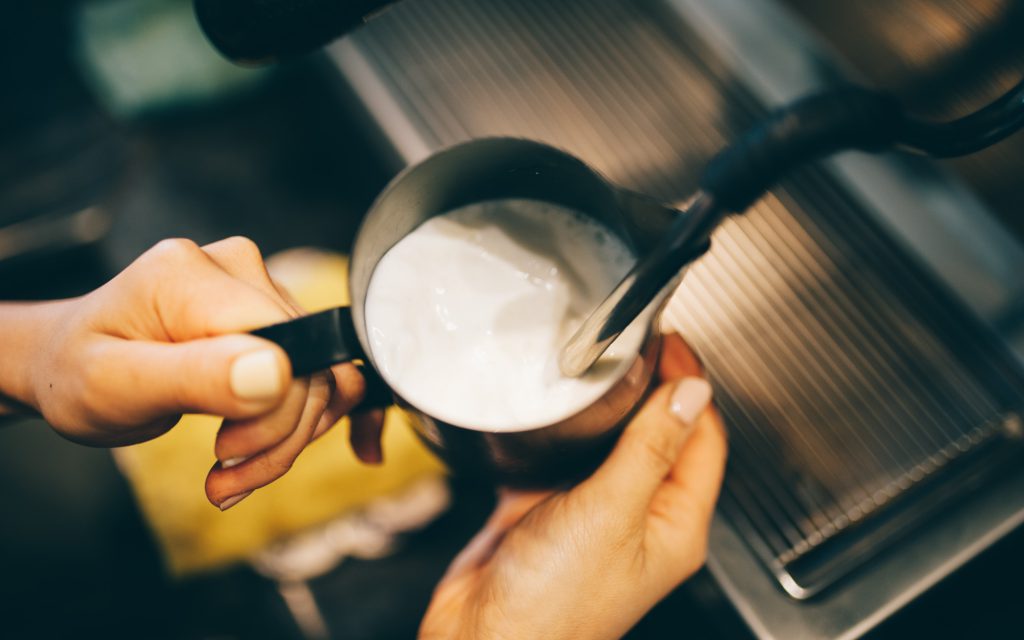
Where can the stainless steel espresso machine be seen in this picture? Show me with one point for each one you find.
(863, 322)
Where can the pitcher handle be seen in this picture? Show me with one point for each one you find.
(316, 342)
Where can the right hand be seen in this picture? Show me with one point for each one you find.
(168, 336)
(590, 561)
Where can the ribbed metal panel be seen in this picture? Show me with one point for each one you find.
(848, 378)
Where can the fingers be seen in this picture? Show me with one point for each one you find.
(296, 419)
(350, 390)
(677, 359)
(697, 475)
(366, 428)
(246, 437)
(236, 376)
(350, 387)
(194, 297)
(691, 492)
(270, 445)
(197, 359)
(184, 349)
(241, 258)
(667, 468)
(680, 514)
(651, 444)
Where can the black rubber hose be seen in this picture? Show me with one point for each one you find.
(261, 31)
(971, 133)
(810, 128)
(845, 119)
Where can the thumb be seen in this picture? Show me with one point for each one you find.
(652, 442)
(234, 376)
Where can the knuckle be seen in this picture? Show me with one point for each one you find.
(93, 381)
(274, 465)
(350, 383)
(200, 393)
(321, 386)
(244, 248)
(173, 250)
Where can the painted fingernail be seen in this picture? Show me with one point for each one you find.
(233, 462)
(233, 500)
(256, 376)
(690, 397)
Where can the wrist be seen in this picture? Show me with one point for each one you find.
(26, 328)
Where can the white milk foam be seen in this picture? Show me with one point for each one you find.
(466, 315)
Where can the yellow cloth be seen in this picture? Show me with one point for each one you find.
(167, 474)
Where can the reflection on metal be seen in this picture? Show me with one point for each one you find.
(299, 599)
(367, 533)
(408, 143)
(654, 277)
(860, 394)
(53, 233)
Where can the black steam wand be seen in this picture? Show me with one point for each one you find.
(848, 118)
(261, 31)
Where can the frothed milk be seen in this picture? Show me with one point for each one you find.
(466, 315)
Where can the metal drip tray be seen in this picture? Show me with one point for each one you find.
(858, 394)
(866, 398)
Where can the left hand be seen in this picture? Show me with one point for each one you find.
(591, 561)
(168, 336)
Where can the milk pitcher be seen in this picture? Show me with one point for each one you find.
(479, 171)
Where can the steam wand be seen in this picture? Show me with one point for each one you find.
(841, 119)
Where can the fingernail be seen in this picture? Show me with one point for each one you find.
(256, 376)
(690, 398)
(233, 462)
(233, 500)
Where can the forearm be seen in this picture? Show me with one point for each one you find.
(24, 331)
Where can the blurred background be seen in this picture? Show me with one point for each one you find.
(121, 126)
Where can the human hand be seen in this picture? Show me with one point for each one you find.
(591, 561)
(166, 337)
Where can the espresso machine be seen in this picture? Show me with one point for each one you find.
(861, 321)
